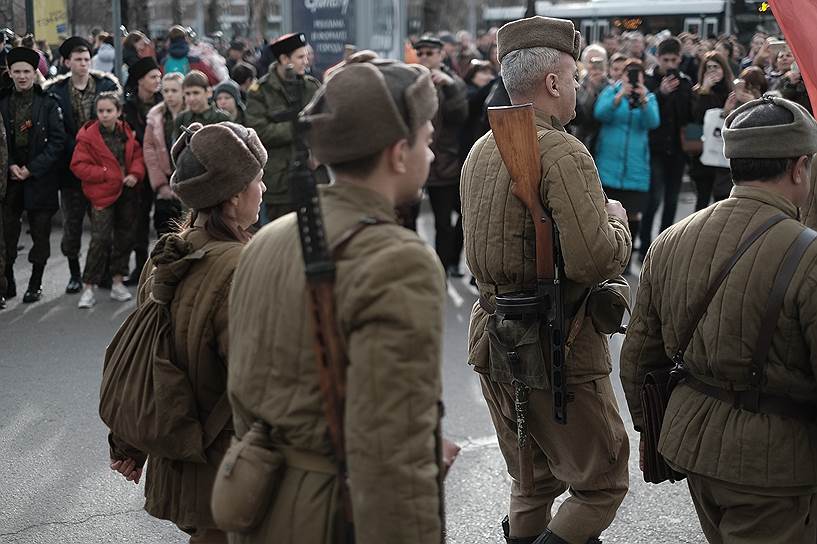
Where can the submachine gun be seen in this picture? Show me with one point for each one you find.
(320, 286)
(514, 130)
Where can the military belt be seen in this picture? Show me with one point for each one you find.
(754, 401)
(308, 461)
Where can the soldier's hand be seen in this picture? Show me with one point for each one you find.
(450, 452)
(128, 469)
(615, 209)
(14, 171)
(25, 173)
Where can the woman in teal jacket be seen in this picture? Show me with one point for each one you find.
(627, 114)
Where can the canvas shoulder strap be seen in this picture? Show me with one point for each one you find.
(700, 310)
(774, 306)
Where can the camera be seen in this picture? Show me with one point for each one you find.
(632, 77)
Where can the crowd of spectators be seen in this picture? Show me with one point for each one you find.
(649, 109)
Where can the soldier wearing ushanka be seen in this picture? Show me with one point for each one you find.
(741, 425)
(276, 93)
(588, 455)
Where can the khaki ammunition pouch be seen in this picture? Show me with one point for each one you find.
(516, 351)
(247, 481)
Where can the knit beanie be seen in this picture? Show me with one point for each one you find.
(215, 162)
(230, 87)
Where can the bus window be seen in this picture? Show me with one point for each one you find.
(693, 25)
(710, 26)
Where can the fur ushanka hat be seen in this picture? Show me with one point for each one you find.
(215, 162)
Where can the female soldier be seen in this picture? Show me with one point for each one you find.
(218, 176)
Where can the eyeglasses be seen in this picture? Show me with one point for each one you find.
(426, 53)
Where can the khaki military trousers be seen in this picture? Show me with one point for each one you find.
(732, 514)
(587, 457)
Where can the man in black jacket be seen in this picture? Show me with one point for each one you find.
(141, 94)
(667, 159)
(444, 177)
(36, 141)
(76, 93)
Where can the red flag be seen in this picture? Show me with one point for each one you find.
(798, 21)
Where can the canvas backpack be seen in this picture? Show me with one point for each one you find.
(145, 399)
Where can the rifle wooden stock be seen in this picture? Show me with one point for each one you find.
(515, 135)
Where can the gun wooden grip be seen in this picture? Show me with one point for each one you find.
(514, 131)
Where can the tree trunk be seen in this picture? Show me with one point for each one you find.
(432, 11)
(176, 11)
(211, 21)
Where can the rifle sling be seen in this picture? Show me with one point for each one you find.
(752, 399)
(686, 338)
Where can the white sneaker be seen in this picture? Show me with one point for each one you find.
(87, 299)
(120, 292)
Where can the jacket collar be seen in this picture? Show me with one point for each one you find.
(767, 197)
(360, 199)
(544, 120)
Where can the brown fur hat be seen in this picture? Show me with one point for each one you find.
(559, 34)
(366, 107)
(215, 162)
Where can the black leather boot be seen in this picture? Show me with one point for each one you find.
(550, 538)
(141, 259)
(75, 282)
(11, 286)
(34, 291)
(506, 529)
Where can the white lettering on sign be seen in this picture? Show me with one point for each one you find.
(314, 5)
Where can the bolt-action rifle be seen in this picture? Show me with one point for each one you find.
(320, 285)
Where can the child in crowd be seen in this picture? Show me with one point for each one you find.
(108, 160)
(227, 95)
(197, 94)
(158, 141)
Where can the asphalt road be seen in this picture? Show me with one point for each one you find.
(56, 487)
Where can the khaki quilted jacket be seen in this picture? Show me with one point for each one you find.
(500, 240)
(701, 434)
(389, 296)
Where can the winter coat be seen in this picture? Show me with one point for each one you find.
(47, 143)
(701, 434)
(176, 490)
(809, 212)
(61, 88)
(157, 156)
(210, 116)
(500, 239)
(132, 113)
(389, 295)
(584, 126)
(98, 168)
(104, 58)
(622, 149)
(179, 49)
(266, 98)
(4, 168)
(448, 123)
(676, 112)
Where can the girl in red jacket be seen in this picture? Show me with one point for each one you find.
(108, 160)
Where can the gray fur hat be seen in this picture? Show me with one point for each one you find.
(215, 162)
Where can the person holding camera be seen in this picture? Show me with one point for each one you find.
(627, 112)
(673, 90)
(712, 178)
